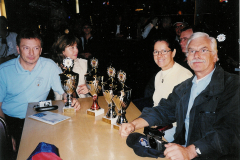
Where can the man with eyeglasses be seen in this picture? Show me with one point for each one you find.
(184, 36)
(178, 26)
(205, 107)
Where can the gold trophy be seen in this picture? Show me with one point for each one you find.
(92, 81)
(122, 99)
(69, 81)
(108, 87)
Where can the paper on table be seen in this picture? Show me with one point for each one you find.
(49, 117)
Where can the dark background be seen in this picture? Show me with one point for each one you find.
(220, 18)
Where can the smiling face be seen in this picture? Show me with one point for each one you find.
(204, 63)
(164, 61)
(71, 51)
(30, 51)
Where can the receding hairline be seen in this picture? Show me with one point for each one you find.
(212, 40)
(199, 35)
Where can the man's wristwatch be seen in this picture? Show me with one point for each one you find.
(198, 151)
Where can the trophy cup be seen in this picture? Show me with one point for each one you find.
(107, 88)
(122, 100)
(92, 81)
(69, 81)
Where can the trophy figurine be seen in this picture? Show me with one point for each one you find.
(69, 81)
(92, 81)
(107, 88)
(122, 99)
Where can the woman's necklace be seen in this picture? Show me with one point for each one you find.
(164, 76)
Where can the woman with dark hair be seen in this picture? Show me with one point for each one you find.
(170, 75)
(67, 46)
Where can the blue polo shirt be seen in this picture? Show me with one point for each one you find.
(18, 87)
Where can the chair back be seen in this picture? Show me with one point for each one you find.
(5, 145)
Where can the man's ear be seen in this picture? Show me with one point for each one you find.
(18, 50)
(41, 51)
(215, 57)
(173, 53)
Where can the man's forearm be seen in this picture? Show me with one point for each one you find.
(139, 123)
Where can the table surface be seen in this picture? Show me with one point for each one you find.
(81, 137)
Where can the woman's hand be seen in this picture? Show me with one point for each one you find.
(82, 89)
(75, 102)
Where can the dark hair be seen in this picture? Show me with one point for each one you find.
(186, 28)
(28, 34)
(167, 38)
(86, 24)
(3, 20)
(60, 45)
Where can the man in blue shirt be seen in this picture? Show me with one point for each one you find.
(205, 107)
(27, 78)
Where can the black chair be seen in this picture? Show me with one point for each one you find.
(5, 141)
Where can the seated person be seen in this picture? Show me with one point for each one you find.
(170, 75)
(205, 107)
(178, 26)
(7, 40)
(67, 46)
(88, 43)
(184, 37)
(27, 78)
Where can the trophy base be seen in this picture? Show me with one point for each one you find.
(116, 126)
(68, 110)
(109, 120)
(95, 112)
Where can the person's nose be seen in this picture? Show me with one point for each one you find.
(31, 51)
(197, 54)
(181, 42)
(160, 54)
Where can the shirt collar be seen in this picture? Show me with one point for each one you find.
(207, 77)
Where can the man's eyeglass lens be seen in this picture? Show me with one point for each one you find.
(201, 51)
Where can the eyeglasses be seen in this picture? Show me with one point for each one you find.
(180, 26)
(201, 51)
(163, 52)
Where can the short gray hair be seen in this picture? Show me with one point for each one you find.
(202, 34)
